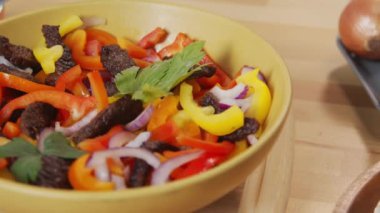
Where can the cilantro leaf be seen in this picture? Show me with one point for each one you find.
(56, 144)
(18, 147)
(158, 79)
(26, 168)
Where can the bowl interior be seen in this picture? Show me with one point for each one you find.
(229, 43)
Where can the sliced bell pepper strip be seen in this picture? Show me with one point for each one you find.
(141, 63)
(162, 111)
(218, 124)
(115, 167)
(68, 78)
(219, 77)
(181, 41)
(240, 146)
(21, 84)
(152, 56)
(48, 56)
(82, 178)
(40, 76)
(190, 129)
(98, 89)
(224, 147)
(79, 89)
(77, 41)
(172, 154)
(70, 24)
(133, 49)
(100, 142)
(93, 48)
(150, 40)
(11, 130)
(77, 106)
(261, 100)
(105, 38)
(166, 132)
(203, 163)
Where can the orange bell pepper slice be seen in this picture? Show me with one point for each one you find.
(150, 40)
(77, 106)
(141, 63)
(133, 49)
(11, 130)
(181, 41)
(162, 111)
(98, 89)
(100, 142)
(82, 178)
(166, 132)
(77, 42)
(68, 78)
(105, 38)
(21, 84)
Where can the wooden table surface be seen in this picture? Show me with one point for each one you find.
(336, 124)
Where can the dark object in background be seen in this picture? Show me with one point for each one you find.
(115, 59)
(66, 61)
(367, 72)
(122, 111)
(250, 127)
(20, 56)
(9, 70)
(139, 173)
(36, 117)
(53, 173)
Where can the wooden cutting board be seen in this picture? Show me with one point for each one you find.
(266, 190)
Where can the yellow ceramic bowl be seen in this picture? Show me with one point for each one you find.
(231, 44)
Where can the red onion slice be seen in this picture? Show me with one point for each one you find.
(118, 181)
(243, 104)
(41, 138)
(139, 140)
(161, 175)
(252, 139)
(102, 172)
(100, 157)
(246, 69)
(237, 91)
(120, 139)
(93, 21)
(141, 120)
(67, 131)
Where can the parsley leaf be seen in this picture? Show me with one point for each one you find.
(18, 147)
(26, 168)
(57, 144)
(158, 79)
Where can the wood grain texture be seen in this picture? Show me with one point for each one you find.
(337, 133)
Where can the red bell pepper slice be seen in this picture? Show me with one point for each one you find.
(77, 106)
(133, 49)
(82, 178)
(219, 77)
(68, 78)
(11, 130)
(150, 40)
(181, 41)
(201, 164)
(93, 48)
(224, 147)
(21, 84)
(98, 89)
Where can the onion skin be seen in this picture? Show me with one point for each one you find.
(359, 28)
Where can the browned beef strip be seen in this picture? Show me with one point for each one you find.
(122, 111)
(20, 56)
(9, 70)
(52, 37)
(206, 71)
(53, 173)
(159, 146)
(36, 117)
(250, 127)
(51, 79)
(115, 59)
(139, 173)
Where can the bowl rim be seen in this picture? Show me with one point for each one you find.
(171, 186)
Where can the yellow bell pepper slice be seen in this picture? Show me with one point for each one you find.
(70, 24)
(261, 100)
(48, 56)
(218, 124)
(240, 146)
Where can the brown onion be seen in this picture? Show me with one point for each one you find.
(359, 28)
